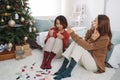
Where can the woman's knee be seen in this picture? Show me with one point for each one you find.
(51, 39)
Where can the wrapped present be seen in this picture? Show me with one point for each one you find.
(26, 46)
(28, 52)
(22, 47)
(23, 51)
(19, 54)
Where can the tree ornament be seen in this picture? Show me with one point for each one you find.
(1, 48)
(8, 6)
(25, 38)
(34, 29)
(30, 29)
(22, 19)
(11, 23)
(7, 14)
(10, 45)
(16, 16)
(2, 20)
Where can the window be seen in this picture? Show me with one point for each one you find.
(45, 7)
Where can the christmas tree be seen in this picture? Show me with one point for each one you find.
(16, 23)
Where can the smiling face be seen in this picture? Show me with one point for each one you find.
(59, 25)
(95, 23)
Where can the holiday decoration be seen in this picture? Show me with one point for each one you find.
(34, 29)
(14, 22)
(22, 51)
(32, 72)
(16, 16)
(25, 38)
(1, 48)
(22, 19)
(8, 6)
(10, 45)
(11, 23)
(30, 29)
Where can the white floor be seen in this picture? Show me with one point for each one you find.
(21, 70)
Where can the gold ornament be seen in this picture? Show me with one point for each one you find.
(6, 14)
(22, 48)
(34, 29)
(10, 45)
(25, 38)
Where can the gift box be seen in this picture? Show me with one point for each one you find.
(20, 54)
(23, 51)
(22, 47)
(28, 52)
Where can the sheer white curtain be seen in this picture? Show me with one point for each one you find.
(45, 7)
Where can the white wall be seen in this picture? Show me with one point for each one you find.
(45, 7)
(92, 9)
(95, 7)
(113, 11)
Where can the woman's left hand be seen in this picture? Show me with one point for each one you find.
(59, 35)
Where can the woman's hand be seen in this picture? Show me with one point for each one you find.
(51, 33)
(69, 30)
(60, 36)
(95, 35)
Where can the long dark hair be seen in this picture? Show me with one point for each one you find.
(62, 20)
(104, 27)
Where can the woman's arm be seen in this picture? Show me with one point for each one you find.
(99, 43)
